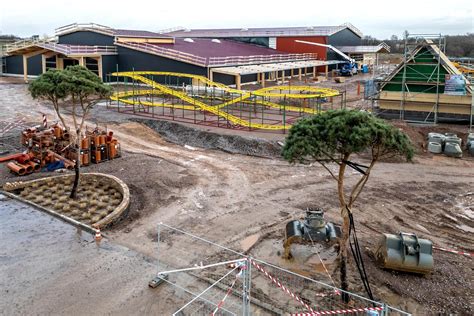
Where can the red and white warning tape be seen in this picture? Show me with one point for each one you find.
(454, 251)
(229, 290)
(11, 125)
(281, 286)
(45, 121)
(341, 311)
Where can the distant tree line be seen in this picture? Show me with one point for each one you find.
(456, 45)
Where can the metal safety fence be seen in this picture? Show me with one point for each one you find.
(211, 279)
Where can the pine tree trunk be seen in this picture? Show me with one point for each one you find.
(77, 167)
(344, 246)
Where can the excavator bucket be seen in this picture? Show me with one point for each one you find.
(293, 232)
(405, 252)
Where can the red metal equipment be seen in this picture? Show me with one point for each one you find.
(10, 157)
(48, 145)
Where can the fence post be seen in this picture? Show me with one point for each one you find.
(158, 247)
(246, 280)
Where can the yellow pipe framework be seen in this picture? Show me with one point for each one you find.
(306, 92)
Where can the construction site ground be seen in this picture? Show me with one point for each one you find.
(244, 201)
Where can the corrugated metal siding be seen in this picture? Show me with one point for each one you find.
(129, 59)
(344, 37)
(261, 41)
(288, 44)
(109, 65)
(34, 65)
(14, 64)
(86, 38)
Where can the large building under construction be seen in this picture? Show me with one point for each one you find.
(426, 86)
(226, 56)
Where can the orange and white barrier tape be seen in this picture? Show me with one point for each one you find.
(340, 311)
(454, 251)
(98, 235)
(45, 121)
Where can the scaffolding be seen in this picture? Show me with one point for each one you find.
(414, 91)
(412, 42)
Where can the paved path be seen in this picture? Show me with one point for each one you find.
(48, 267)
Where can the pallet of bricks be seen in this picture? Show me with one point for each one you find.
(51, 148)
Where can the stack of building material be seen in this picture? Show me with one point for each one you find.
(448, 143)
(470, 143)
(51, 147)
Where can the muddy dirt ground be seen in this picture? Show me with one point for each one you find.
(228, 197)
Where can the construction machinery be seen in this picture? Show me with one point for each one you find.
(405, 252)
(312, 229)
(349, 68)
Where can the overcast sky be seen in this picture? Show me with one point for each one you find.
(376, 18)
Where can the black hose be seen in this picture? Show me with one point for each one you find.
(356, 253)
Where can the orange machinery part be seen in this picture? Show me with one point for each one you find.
(97, 156)
(85, 159)
(96, 140)
(112, 150)
(23, 159)
(102, 139)
(58, 131)
(19, 169)
(85, 143)
(67, 163)
(34, 165)
(109, 137)
(10, 157)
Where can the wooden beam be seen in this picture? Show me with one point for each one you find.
(25, 68)
(299, 74)
(263, 79)
(59, 62)
(25, 62)
(237, 81)
(211, 75)
(31, 54)
(99, 67)
(326, 70)
(43, 63)
(50, 54)
(314, 72)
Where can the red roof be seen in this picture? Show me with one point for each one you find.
(211, 48)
